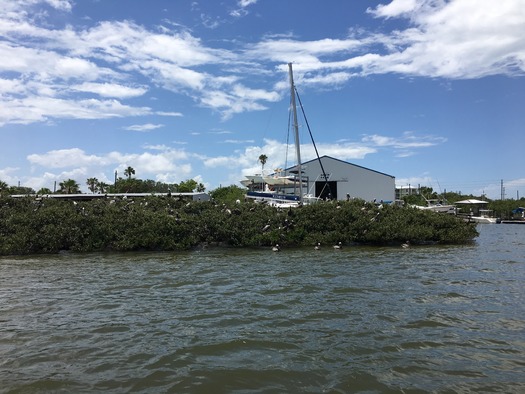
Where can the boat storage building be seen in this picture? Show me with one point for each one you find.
(347, 180)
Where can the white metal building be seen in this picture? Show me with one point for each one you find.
(347, 180)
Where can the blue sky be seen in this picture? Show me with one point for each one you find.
(429, 91)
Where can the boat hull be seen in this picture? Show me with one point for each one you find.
(484, 220)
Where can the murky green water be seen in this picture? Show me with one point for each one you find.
(373, 320)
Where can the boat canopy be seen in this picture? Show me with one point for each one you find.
(471, 202)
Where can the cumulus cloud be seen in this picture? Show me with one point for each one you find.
(62, 158)
(449, 39)
(456, 39)
(50, 73)
(163, 162)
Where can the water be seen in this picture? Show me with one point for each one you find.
(371, 320)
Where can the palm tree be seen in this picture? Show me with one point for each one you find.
(69, 186)
(44, 190)
(102, 187)
(92, 184)
(129, 172)
(262, 160)
(3, 186)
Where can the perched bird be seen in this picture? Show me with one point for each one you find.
(405, 245)
(276, 248)
(338, 246)
(317, 246)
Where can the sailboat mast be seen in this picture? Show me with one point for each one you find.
(296, 131)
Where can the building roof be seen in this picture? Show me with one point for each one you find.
(345, 162)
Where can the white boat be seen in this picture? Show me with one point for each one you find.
(476, 214)
(485, 216)
(251, 180)
(437, 206)
(280, 178)
(281, 189)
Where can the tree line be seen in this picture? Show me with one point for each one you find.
(129, 184)
(504, 209)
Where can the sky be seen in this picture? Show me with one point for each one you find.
(431, 92)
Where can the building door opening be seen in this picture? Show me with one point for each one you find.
(326, 190)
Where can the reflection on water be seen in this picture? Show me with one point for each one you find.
(436, 319)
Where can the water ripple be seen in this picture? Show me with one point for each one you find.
(429, 319)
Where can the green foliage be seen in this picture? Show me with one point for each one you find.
(3, 187)
(228, 194)
(44, 190)
(503, 208)
(44, 225)
(10, 190)
(134, 185)
(189, 186)
(69, 186)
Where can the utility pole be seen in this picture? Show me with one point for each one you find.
(502, 191)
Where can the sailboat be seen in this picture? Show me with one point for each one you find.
(274, 188)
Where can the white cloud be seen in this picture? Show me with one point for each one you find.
(144, 127)
(63, 158)
(38, 109)
(64, 5)
(230, 141)
(394, 9)
(456, 39)
(8, 175)
(407, 140)
(304, 54)
(164, 163)
(248, 160)
(162, 113)
(242, 10)
(110, 89)
(451, 39)
(246, 3)
(237, 100)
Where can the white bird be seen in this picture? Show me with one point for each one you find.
(338, 246)
(276, 248)
(405, 245)
(317, 246)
